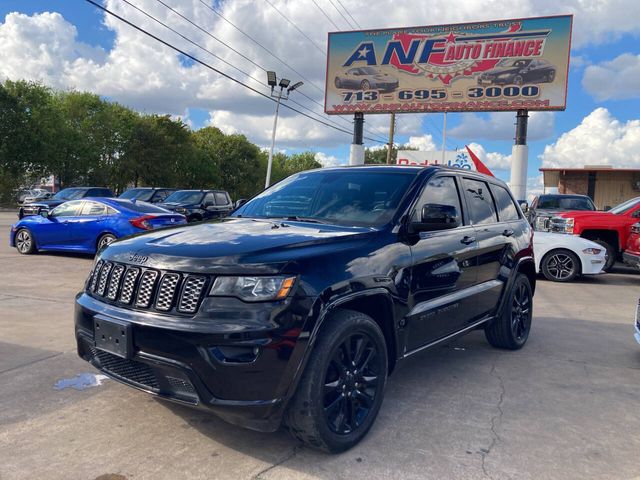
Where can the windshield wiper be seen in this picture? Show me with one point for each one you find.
(295, 218)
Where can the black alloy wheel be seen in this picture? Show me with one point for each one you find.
(521, 313)
(350, 383)
(365, 85)
(342, 387)
(511, 329)
(24, 242)
(560, 266)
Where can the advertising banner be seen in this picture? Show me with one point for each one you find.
(452, 158)
(484, 66)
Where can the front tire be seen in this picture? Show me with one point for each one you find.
(511, 329)
(342, 387)
(24, 242)
(560, 266)
(611, 253)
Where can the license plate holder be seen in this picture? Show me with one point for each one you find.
(113, 336)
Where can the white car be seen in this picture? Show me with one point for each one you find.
(561, 258)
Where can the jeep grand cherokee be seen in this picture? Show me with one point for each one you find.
(296, 308)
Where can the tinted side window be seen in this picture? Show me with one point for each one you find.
(221, 198)
(161, 195)
(209, 199)
(507, 210)
(439, 191)
(481, 208)
(94, 208)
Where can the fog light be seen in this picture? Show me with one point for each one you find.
(235, 354)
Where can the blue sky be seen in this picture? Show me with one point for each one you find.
(110, 59)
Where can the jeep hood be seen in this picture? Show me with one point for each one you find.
(238, 244)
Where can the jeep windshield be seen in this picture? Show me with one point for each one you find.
(356, 198)
(185, 197)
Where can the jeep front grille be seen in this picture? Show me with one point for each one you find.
(146, 288)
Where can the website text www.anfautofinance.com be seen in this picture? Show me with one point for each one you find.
(472, 105)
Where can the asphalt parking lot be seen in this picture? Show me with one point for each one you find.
(564, 407)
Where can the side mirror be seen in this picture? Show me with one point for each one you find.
(436, 217)
(524, 206)
(240, 202)
(44, 213)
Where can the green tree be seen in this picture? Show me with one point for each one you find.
(379, 155)
(233, 161)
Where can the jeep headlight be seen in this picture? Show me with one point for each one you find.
(253, 289)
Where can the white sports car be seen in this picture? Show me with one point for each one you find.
(561, 258)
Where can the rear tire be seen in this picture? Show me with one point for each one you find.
(611, 253)
(560, 265)
(104, 241)
(511, 329)
(342, 387)
(24, 242)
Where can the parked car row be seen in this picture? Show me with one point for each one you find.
(85, 219)
(615, 230)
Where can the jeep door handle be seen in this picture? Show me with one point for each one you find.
(467, 240)
(507, 233)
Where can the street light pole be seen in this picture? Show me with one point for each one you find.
(273, 143)
(282, 94)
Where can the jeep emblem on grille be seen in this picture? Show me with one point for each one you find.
(139, 259)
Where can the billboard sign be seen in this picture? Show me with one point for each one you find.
(452, 158)
(483, 66)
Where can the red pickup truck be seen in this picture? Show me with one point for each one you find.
(610, 229)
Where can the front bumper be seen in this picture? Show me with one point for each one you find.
(631, 259)
(190, 360)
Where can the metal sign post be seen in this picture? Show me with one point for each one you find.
(520, 157)
(356, 156)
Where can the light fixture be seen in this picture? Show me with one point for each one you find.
(271, 79)
(284, 83)
(294, 86)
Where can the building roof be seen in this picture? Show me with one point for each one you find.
(589, 169)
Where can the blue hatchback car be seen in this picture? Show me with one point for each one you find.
(87, 225)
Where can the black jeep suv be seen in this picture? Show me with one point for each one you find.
(270, 316)
(198, 205)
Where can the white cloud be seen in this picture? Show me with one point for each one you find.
(329, 160)
(493, 160)
(600, 139)
(424, 143)
(615, 79)
(501, 126)
(579, 61)
(535, 186)
(145, 75)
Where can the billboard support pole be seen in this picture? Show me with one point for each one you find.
(444, 136)
(392, 126)
(356, 156)
(520, 157)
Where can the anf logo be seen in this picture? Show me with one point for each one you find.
(448, 56)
